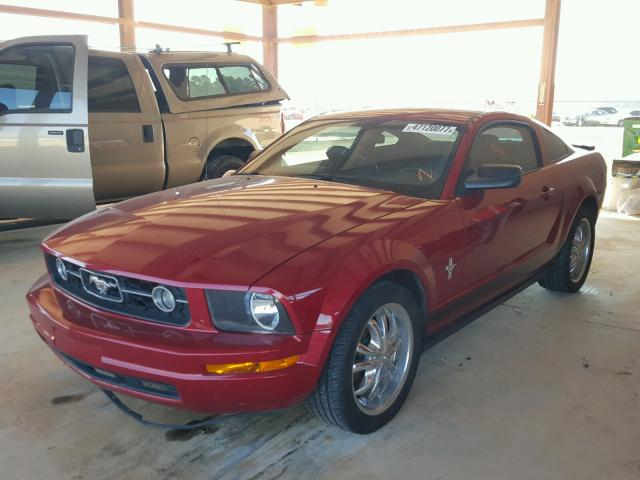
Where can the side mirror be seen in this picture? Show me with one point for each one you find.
(253, 155)
(228, 173)
(494, 176)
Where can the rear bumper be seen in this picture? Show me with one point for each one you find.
(175, 376)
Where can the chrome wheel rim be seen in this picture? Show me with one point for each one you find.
(580, 250)
(382, 359)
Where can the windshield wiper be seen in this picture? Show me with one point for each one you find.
(316, 176)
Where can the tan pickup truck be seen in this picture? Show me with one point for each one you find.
(150, 121)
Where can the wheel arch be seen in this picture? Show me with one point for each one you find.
(409, 280)
(237, 146)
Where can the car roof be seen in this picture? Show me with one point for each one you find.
(442, 115)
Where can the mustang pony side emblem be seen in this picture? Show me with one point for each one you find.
(103, 285)
(449, 268)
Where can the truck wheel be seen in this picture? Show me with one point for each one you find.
(569, 269)
(221, 164)
(373, 362)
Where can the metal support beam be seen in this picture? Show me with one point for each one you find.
(127, 25)
(270, 38)
(471, 27)
(43, 12)
(546, 87)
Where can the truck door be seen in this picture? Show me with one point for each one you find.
(45, 168)
(125, 133)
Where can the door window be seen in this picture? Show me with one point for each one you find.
(504, 144)
(110, 86)
(36, 78)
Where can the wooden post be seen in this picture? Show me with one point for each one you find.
(270, 37)
(127, 25)
(546, 87)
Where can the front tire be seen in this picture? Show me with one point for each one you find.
(373, 362)
(569, 269)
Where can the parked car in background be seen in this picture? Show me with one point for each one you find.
(595, 118)
(80, 126)
(609, 110)
(314, 272)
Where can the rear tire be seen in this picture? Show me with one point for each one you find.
(221, 164)
(570, 267)
(352, 393)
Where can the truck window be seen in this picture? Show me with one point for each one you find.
(200, 81)
(110, 86)
(194, 81)
(36, 78)
(241, 79)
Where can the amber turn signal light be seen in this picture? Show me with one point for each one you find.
(251, 367)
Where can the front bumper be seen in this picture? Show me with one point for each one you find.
(134, 357)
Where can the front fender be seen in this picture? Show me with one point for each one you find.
(322, 284)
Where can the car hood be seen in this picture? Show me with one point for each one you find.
(229, 231)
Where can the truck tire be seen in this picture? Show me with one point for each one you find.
(371, 368)
(570, 267)
(221, 164)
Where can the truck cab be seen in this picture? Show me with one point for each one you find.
(81, 126)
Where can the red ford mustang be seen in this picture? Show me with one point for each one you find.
(313, 272)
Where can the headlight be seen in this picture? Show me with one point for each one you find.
(248, 312)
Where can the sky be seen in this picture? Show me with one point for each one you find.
(597, 58)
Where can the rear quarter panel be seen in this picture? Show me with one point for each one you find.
(577, 177)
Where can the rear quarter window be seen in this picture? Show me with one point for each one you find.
(555, 146)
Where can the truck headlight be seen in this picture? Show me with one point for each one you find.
(248, 312)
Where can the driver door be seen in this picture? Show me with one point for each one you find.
(45, 168)
(507, 229)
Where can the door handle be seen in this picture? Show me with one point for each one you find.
(546, 192)
(75, 140)
(147, 133)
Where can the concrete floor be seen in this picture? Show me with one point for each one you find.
(545, 386)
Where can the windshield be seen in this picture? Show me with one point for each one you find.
(406, 157)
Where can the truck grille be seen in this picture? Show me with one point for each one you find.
(117, 293)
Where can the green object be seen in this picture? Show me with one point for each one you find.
(631, 136)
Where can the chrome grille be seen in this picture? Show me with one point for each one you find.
(132, 298)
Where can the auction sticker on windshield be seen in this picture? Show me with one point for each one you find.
(431, 128)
